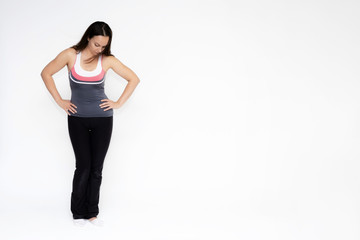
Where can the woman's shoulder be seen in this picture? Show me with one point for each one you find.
(107, 61)
(70, 54)
(70, 51)
(107, 58)
(67, 54)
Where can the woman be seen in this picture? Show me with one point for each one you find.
(90, 112)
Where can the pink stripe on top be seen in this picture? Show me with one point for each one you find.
(88, 79)
(81, 74)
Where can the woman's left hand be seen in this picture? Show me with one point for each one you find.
(108, 104)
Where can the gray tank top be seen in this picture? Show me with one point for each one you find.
(87, 90)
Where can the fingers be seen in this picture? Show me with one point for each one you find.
(104, 105)
(73, 110)
(107, 106)
(70, 109)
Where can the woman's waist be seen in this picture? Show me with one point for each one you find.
(88, 99)
(90, 108)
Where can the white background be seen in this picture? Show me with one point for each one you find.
(245, 124)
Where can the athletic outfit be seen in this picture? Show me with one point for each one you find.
(90, 130)
(87, 89)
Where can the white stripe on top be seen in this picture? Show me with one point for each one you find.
(79, 70)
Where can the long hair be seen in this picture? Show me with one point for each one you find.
(95, 29)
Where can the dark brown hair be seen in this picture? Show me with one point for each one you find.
(95, 29)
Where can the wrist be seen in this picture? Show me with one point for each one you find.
(118, 104)
(58, 100)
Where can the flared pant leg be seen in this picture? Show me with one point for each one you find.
(90, 138)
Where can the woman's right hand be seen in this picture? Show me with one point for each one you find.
(67, 105)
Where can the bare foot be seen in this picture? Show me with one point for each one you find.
(92, 218)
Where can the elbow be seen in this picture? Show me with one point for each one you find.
(42, 74)
(135, 81)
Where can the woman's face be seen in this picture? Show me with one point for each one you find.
(97, 44)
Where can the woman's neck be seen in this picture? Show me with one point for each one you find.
(87, 55)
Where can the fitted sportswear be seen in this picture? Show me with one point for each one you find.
(90, 138)
(87, 90)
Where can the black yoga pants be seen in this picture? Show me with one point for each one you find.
(90, 138)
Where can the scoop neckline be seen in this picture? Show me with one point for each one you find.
(87, 70)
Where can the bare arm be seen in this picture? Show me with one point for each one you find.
(128, 75)
(50, 69)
